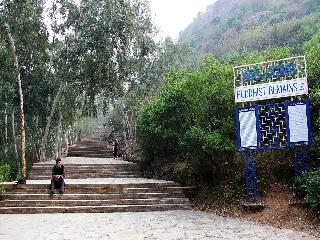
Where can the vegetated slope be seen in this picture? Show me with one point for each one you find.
(252, 25)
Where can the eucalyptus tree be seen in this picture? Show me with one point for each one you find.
(23, 36)
(105, 39)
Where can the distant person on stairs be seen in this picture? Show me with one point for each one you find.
(115, 148)
(57, 180)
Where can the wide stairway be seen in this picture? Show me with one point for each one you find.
(95, 182)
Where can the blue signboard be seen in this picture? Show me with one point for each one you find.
(271, 126)
(269, 80)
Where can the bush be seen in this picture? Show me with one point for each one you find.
(4, 175)
(308, 187)
(191, 119)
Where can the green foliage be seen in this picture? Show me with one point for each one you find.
(312, 52)
(308, 187)
(237, 58)
(191, 117)
(4, 175)
(248, 25)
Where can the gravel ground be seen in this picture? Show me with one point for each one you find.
(168, 225)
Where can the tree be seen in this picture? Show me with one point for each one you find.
(21, 117)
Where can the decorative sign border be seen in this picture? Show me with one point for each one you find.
(268, 80)
(298, 120)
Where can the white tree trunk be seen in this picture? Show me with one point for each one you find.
(46, 131)
(21, 117)
(6, 129)
(14, 136)
(58, 140)
(125, 134)
(66, 141)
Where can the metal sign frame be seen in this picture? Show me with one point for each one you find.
(289, 144)
(272, 79)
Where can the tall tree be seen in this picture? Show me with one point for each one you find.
(21, 117)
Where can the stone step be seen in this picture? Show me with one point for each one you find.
(96, 185)
(99, 164)
(94, 190)
(95, 209)
(117, 167)
(95, 182)
(103, 187)
(104, 202)
(90, 150)
(77, 176)
(91, 143)
(86, 173)
(123, 167)
(92, 155)
(88, 169)
(94, 196)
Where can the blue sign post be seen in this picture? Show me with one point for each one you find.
(272, 126)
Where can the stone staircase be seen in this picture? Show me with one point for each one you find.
(79, 171)
(95, 182)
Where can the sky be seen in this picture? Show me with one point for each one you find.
(172, 16)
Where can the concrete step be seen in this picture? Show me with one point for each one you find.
(94, 183)
(76, 164)
(95, 186)
(95, 167)
(90, 150)
(88, 170)
(81, 185)
(85, 176)
(71, 190)
(92, 155)
(104, 202)
(95, 209)
(91, 143)
(122, 167)
(86, 173)
(94, 196)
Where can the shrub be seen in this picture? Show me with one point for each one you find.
(4, 175)
(191, 119)
(308, 187)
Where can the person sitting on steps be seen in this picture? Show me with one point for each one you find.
(57, 179)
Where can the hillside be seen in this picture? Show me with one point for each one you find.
(252, 25)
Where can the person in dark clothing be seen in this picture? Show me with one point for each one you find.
(115, 148)
(57, 179)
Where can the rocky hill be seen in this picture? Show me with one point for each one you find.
(252, 25)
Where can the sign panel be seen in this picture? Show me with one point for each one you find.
(268, 80)
(271, 126)
(247, 128)
(298, 122)
(271, 90)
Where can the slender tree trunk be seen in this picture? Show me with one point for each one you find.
(6, 129)
(125, 134)
(66, 141)
(14, 136)
(21, 117)
(34, 154)
(46, 131)
(58, 140)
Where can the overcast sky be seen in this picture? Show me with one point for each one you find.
(172, 16)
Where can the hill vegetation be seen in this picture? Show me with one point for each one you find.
(243, 25)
